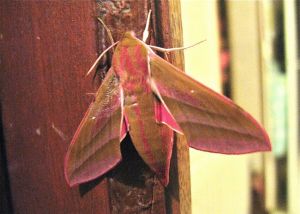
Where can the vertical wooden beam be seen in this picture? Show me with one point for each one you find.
(165, 32)
(133, 187)
(5, 199)
(169, 31)
(46, 47)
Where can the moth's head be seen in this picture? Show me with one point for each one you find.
(129, 39)
(129, 35)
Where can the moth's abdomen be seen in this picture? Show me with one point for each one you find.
(152, 140)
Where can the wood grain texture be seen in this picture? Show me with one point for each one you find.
(169, 29)
(5, 199)
(133, 187)
(46, 47)
(165, 31)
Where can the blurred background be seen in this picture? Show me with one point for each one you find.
(251, 55)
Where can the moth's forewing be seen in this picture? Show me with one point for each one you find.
(95, 147)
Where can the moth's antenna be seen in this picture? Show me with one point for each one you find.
(146, 31)
(113, 43)
(98, 59)
(107, 30)
(166, 50)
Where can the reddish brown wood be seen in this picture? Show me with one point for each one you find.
(46, 47)
(5, 202)
(168, 30)
(133, 186)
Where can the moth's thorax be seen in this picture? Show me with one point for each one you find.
(130, 63)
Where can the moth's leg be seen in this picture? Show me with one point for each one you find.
(146, 31)
(107, 30)
(98, 59)
(166, 50)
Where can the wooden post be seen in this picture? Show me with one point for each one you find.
(141, 182)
